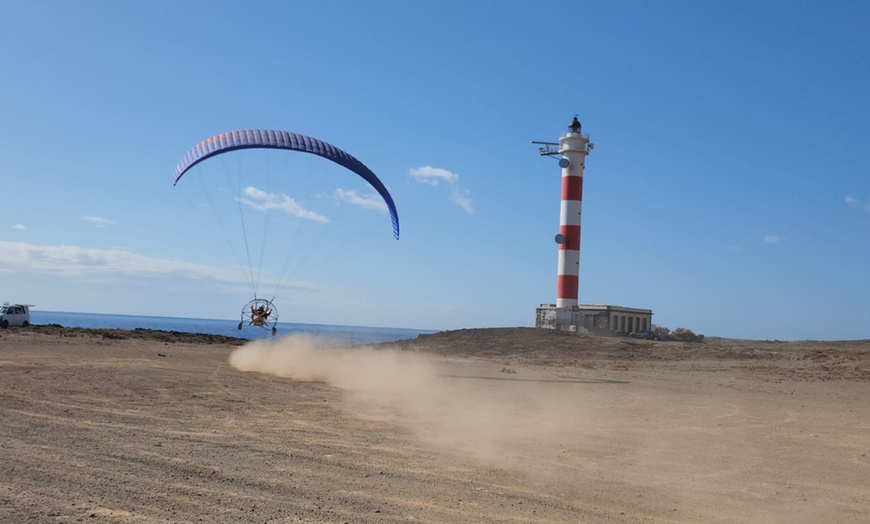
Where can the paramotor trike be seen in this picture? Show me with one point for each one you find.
(260, 313)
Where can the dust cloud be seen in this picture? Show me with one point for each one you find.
(460, 404)
(315, 359)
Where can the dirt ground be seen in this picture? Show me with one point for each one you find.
(486, 425)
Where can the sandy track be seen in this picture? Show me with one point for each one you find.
(505, 425)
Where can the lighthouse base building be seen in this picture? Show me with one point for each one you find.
(594, 320)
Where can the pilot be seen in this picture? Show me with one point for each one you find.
(259, 315)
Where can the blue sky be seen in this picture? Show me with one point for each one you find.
(729, 189)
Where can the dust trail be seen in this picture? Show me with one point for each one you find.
(450, 404)
(308, 358)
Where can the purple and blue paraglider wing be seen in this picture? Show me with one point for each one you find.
(266, 139)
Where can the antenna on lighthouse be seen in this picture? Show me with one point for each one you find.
(548, 148)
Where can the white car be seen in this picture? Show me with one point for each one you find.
(16, 315)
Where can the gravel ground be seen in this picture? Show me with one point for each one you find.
(483, 425)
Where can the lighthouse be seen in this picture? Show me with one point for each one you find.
(567, 314)
(573, 148)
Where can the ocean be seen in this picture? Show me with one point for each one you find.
(336, 335)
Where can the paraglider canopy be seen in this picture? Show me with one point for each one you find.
(268, 139)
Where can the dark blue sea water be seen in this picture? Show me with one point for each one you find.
(338, 335)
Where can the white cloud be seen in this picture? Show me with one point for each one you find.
(435, 175)
(856, 203)
(72, 261)
(113, 266)
(772, 239)
(20, 227)
(462, 198)
(263, 201)
(97, 221)
(374, 202)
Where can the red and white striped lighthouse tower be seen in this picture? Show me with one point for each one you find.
(573, 146)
